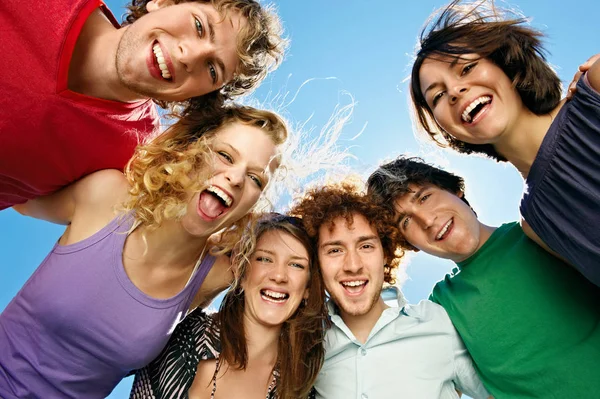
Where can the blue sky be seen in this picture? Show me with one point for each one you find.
(362, 48)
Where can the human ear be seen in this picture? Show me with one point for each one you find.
(460, 193)
(154, 5)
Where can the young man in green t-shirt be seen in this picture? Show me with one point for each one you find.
(530, 322)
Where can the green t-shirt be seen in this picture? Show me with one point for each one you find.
(530, 322)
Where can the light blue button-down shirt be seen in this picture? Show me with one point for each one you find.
(413, 352)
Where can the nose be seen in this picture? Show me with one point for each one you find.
(352, 262)
(424, 218)
(235, 176)
(279, 273)
(456, 92)
(191, 53)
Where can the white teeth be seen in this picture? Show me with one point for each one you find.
(274, 296)
(481, 100)
(221, 194)
(444, 230)
(353, 283)
(160, 59)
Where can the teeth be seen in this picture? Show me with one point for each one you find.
(353, 283)
(221, 194)
(160, 58)
(481, 100)
(444, 230)
(274, 294)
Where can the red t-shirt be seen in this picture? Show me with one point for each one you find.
(49, 135)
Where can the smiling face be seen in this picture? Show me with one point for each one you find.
(352, 264)
(439, 223)
(471, 98)
(242, 163)
(276, 279)
(179, 51)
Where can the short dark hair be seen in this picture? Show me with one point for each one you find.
(496, 34)
(322, 205)
(391, 181)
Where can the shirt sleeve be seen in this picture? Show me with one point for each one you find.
(466, 378)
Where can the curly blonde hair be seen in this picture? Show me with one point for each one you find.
(322, 205)
(163, 172)
(260, 48)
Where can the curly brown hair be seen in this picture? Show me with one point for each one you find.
(322, 205)
(499, 35)
(260, 48)
(300, 349)
(164, 171)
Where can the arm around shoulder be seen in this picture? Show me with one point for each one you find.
(593, 74)
(96, 190)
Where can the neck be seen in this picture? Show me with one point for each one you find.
(521, 145)
(92, 69)
(262, 342)
(168, 246)
(485, 232)
(361, 325)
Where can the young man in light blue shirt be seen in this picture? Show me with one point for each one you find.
(372, 350)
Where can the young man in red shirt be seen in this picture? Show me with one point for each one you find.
(78, 89)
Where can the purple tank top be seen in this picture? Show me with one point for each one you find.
(79, 325)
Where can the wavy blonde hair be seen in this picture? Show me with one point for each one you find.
(163, 172)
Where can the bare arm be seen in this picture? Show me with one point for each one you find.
(86, 206)
(57, 207)
(99, 190)
(586, 66)
(593, 74)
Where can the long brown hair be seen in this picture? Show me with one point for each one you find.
(300, 352)
(496, 34)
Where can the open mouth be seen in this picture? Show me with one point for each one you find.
(161, 62)
(274, 296)
(214, 202)
(445, 230)
(470, 113)
(354, 286)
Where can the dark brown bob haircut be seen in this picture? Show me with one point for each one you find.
(260, 49)
(493, 33)
(322, 205)
(391, 181)
(300, 348)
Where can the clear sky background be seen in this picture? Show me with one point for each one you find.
(363, 48)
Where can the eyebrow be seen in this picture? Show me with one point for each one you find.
(340, 243)
(416, 195)
(450, 66)
(273, 253)
(211, 35)
(232, 148)
(254, 168)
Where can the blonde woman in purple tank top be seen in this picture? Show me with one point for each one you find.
(133, 259)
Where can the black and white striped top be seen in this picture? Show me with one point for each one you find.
(171, 374)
